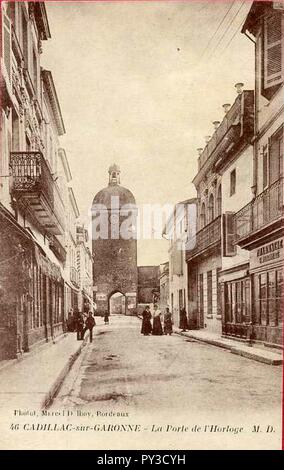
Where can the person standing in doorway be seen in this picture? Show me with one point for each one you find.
(157, 325)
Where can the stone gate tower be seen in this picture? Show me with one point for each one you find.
(114, 244)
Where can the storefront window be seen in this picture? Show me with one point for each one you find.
(279, 297)
(271, 299)
(228, 303)
(263, 298)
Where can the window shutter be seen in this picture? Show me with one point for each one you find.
(273, 50)
(177, 258)
(7, 44)
(229, 247)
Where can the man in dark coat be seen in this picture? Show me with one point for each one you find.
(89, 325)
(146, 322)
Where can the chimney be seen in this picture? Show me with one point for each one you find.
(200, 150)
(239, 88)
(216, 124)
(207, 138)
(226, 107)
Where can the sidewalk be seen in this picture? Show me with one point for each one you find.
(255, 352)
(32, 382)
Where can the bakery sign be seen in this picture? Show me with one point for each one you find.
(268, 253)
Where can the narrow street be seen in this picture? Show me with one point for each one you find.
(123, 370)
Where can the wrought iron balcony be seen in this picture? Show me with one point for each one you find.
(208, 238)
(33, 185)
(261, 216)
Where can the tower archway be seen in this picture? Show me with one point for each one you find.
(117, 303)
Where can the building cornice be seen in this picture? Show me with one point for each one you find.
(65, 163)
(41, 20)
(73, 202)
(53, 100)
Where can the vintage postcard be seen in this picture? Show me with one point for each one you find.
(141, 224)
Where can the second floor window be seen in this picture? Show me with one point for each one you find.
(272, 54)
(276, 156)
(211, 208)
(232, 182)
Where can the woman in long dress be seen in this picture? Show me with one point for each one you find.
(183, 323)
(146, 322)
(168, 324)
(157, 325)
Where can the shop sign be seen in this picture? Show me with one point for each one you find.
(101, 297)
(268, 253)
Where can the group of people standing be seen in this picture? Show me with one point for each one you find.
(81, 322)
(161, 324)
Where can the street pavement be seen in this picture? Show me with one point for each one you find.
(123, 367)
(168, 387)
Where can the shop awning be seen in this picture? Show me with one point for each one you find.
(46, 259)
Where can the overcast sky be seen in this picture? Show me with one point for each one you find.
(139, 84)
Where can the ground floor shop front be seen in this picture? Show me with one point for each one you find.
(252, 297)
(204, 294)
(31, 291)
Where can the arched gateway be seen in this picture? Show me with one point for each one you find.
(114, 243)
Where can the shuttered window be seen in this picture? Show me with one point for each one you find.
(7, 47)
(273, 50)
(229, 247)
(276, 156)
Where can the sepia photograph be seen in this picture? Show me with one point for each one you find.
(141, 226)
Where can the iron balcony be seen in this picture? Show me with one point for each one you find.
(33, 185)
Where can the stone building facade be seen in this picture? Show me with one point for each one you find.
(148, 286)
(176, 231)
(164, 286)
(208, 257)
(85, 269)
(114, 215)
(259, 224)
(32, 212)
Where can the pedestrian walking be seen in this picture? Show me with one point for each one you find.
(168, 324)
(157, 325)
(106, 317)
(146, 322)
(183, 323)
(89, 325)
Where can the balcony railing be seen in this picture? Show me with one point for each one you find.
(206, 238)
(32, 183)
(266, 208)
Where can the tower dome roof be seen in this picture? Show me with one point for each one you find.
(114, 189)
(104, 196)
